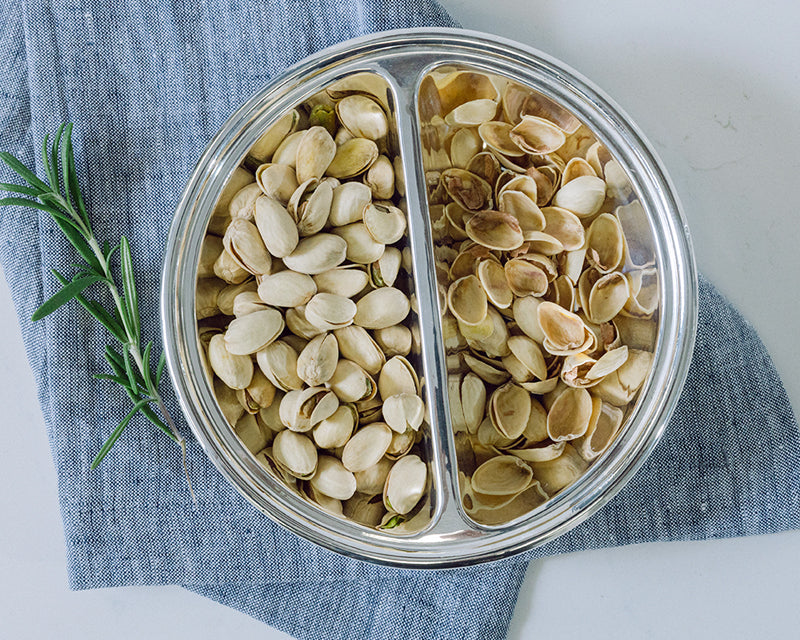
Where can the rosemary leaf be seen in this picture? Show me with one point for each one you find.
(67, 293)
(22, 171)
(129, 287)
(21, 189)
(117, 433)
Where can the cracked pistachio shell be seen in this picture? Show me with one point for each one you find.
(349, 201)
(362, 116)
(328, 311)
(362, 248)
(335, 430)
(345, 281)
(404, 411)
(250, 333)
(384, 271)
(353, 158)
(266, 145)
(385, 223)
(209, 252)
(228, 269)
(301, 410)
(228, 295)
(246, 303)
(317, 254)
(278, 361)
(205, 301)
(299, 325)
(234, 370)
(366, 447)
(243, 203)
(295, 453)
(276, 181)
(228, 403)
(314, 154)
(365, 509)
(243, 243)
(260, 393)
(277, 228)
(313, 213)
(333, 480)
(351, 383)
(286, 153)
(239, 179)
(286, 289)
(394, 340)
(317, 361)
(372, 480)
(405, 484)
(583, 196)
(382, 308)
(250, 433)
(568, 417)
(357, 345)
(380, 178)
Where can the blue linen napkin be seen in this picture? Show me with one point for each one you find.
(147, 85)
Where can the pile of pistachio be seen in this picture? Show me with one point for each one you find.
(548, 314)
(305, 311)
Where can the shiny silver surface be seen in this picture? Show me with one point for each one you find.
(452, 539)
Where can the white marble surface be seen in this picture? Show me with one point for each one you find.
(716, 88)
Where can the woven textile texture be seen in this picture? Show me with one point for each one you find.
(147, 85)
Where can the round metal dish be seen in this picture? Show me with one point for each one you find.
(403, 58)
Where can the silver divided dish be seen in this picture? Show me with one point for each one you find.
(451, 538)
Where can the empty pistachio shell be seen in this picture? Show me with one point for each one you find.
(333, 480)
(603, 427)
(329, 311)
(472, 113)
(525, 278)
(529, 355)
(469, 191)
(583, 196)
(486, 369)
(342, 281)
(564, 226)
(353, 158)
(607, 297)
(277, 181)
(252, 332)
(502, 476)
(366, 447)
(349, 201)
(495, 230)
(467, 301)
(317, 254)
(314, 153)
(386, 224)
(382, 308)
(564, 331)
(497, 137)
(560, 472)
(464, 145)
(405, 484)
(276, 226)
(527, 318)
(362, 248)
(317, 361)
(509, 409)
(287, 289)
(362, 116)
(537, 135)
(357, 345)
(295, 453)
(335, 431)
(605, 243)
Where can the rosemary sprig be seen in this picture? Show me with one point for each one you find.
(60, 197)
